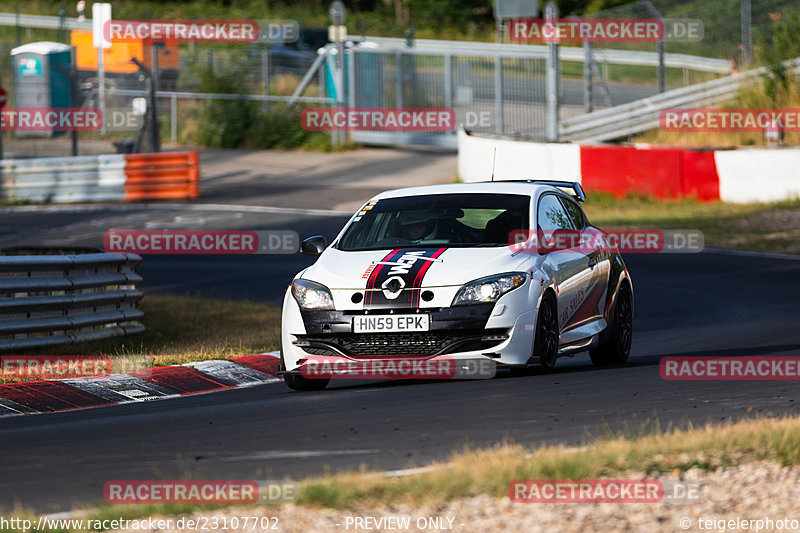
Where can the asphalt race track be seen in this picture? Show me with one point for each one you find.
(693, 305)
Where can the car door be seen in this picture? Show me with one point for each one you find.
(568, 267)
(598, 260)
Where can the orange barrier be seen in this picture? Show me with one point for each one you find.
(162, 176)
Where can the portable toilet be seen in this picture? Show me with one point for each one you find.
(38, 81)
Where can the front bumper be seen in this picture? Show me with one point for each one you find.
(484, 331)
(452, 330)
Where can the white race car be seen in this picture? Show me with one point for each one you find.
(446, 263)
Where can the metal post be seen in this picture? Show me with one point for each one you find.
(101, 89)
(661, 47)
(747, 39)
(448, 80)
(588, 100)
(173, 119)
(661, 67)
(16, 24)
(551, 13)
(73, 97)
(337, 13)
(498, 94)
(351, 84)
(265, 75)
(399, 79)
(155, 141)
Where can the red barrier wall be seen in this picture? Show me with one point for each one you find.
(655, 171)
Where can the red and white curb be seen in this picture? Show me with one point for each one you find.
(157, 383)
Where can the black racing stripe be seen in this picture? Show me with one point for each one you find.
(374, 274)
(405, 275)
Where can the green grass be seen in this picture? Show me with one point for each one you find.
(183, 329)
(489, 471)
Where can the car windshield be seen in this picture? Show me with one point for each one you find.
(450, 220)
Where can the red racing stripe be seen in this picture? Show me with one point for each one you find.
(415, 292)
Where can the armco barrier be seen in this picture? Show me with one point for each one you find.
(47, 300)
(63, 179)
(165, 175)
(744, 175)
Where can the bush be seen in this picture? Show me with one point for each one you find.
(776, 43)
(241, 123)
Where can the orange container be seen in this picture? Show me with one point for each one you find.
(117, 58)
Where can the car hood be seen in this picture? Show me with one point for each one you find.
(422, 267)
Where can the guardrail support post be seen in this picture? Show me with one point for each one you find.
(588, 103)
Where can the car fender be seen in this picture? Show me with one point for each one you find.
(291, 321)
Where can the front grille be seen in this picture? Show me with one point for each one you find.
(400, 344)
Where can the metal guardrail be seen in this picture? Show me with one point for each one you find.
(222, 96)
(566, 53)
(63, 179)
(44, 22)
(619, 57)
(47, 300)
(642, 115)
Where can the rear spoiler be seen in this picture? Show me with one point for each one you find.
(573, 185)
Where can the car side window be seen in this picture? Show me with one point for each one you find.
(575, 213)
(551, 215)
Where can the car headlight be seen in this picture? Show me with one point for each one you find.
(311, 295)
(486, 290)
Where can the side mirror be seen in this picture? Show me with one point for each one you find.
(313, 246)
(560, 240)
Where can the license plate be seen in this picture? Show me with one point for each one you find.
(391, 323)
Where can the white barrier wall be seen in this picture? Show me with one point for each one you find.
(758, 174)
(516, 159)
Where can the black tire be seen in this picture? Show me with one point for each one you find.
(616, 348)
(299, 383)
(545, 345)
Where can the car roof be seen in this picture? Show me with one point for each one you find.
(498, 187)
